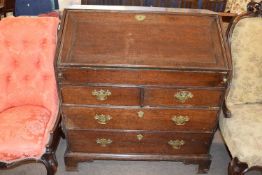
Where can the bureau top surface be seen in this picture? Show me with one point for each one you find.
(147, 38)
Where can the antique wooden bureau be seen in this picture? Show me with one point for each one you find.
(141, 83)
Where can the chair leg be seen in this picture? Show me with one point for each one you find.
(50, 162)
(236, 167)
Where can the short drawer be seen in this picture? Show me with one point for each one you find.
(182, 97)
(141, 77)
(138, 142)
(140, 119)
(97, 95)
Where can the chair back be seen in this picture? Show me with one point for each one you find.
(246, 50)
(27, 50)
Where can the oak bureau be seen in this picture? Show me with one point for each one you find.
(141, 83)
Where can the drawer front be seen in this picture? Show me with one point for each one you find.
(100, 95)
(139, 119)
(141, 77)
(182, 97)
(138, 142)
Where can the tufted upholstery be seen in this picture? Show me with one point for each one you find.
(243, 131)
(28, 96)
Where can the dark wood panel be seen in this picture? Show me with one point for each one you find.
(214, 5)
(154, 3)
(84, 95)
(6, 6)
(156, 40)
(141, 77)
(169, 97)
(127, 142)
(140, 119)
(9, 5)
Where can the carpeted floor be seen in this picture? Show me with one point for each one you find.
(218, 166)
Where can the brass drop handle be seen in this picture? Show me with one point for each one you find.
(176, 144)
(183, 96)
(101, 95)
(103, 142)
(102, 119)
(180, 119)
(139, 137)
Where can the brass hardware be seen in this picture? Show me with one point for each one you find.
(60, 75)
(224, 79)
(101, 94)
(139, 137)
(104, 142)
(140, 17)
(180, 120)
(176, 144)
(183, 96)
(140, 114)
(102, 119)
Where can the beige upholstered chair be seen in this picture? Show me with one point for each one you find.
(242, 132)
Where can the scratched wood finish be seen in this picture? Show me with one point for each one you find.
(127, 142)
(129, 119)
(144, 57)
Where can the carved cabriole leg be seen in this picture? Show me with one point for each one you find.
(50, 162)
(237, 168)
(3, 165)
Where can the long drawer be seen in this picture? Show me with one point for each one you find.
(138, 142)
(141, 77)
(140, 119)
(101, 95)
(182, 97)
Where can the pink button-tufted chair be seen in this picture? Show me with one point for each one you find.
(29, 120)
(242, 129)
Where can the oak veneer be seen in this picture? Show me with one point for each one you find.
(161, 73)
(162, 119)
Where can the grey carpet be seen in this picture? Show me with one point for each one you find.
(218, 166)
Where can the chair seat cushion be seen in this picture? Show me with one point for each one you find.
(23, 132)
(243, 133)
